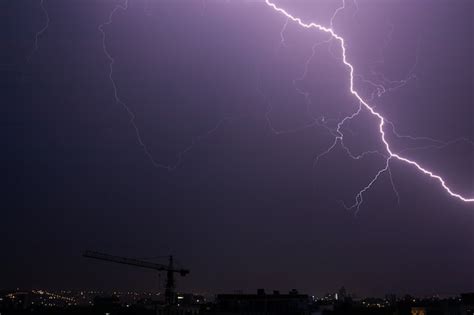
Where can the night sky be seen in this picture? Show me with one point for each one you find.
(225, 178)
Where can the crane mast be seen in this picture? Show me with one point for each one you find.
(170, 291)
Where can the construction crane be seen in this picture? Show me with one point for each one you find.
(170, 294)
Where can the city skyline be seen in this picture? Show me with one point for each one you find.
(263, 144)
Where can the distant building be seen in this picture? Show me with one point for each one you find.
(261, 303)
(15, 300)
(322, 307)
(418, 311)
(178, 310)
(467, 306)
(186, 299)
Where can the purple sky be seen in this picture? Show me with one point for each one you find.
(218, 91)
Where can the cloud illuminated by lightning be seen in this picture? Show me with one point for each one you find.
(390, 154)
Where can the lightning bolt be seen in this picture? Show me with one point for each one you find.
(41, 31)
(180, 155)
(282, 35)
(386, 84)
(382, 121)
(315, 121)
